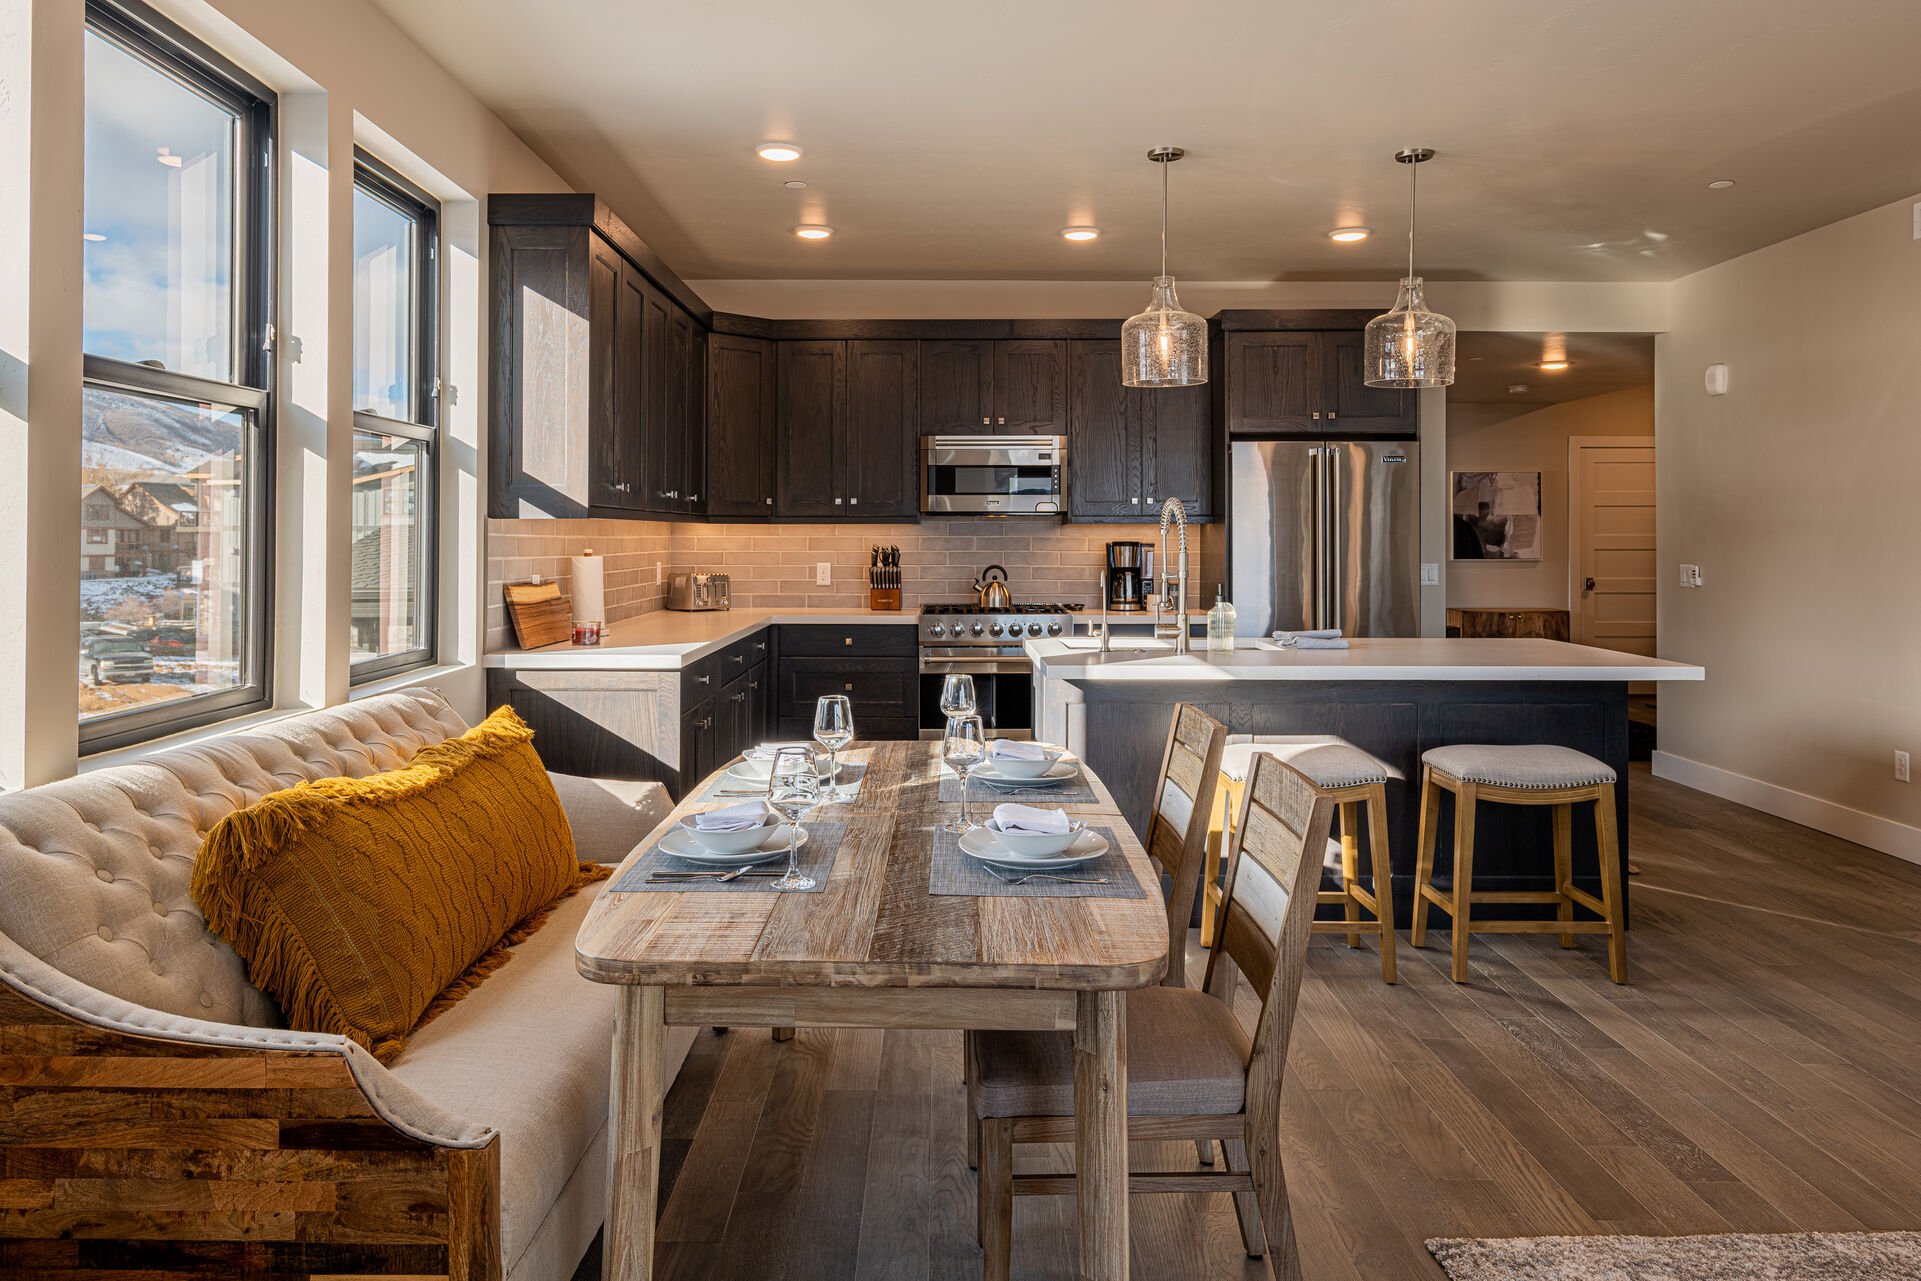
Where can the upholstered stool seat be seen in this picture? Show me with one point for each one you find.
(1355, 778)
(1528, 774)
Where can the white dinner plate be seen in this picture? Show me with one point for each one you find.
(985, 846)
(755, 772)
(1064, 770)
(681, 844)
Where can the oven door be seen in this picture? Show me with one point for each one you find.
(1003, 686)
(992, 475)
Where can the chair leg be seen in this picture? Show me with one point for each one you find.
(1247, 1205)
(1463, 897)
(1424, 855)
(1270, 1189)
(1608, 839)
(1564, 865)
(1381, 866)
(783, 1034)
(969, 1077)
(995, 1198)
(1351, 870)
(1204, 1149)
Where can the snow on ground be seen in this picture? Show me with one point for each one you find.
(98, 595)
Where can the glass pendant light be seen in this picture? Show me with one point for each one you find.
(1164, 346)
(1410, 346)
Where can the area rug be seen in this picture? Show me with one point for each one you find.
(1801, 1256)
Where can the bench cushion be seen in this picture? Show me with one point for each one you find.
(1534, 766)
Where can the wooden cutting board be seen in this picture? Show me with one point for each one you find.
(540, 614)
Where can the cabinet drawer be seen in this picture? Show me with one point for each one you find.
(873, 729)
(861, 640)
(878, 687)
(744, 653)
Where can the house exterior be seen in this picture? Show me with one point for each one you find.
(114, 542)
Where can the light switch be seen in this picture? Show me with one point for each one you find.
(1430, 574)
(1690, 575)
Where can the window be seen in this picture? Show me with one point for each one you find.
(176, 302)
(396, 393)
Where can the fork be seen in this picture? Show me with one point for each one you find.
(1047, 876)
(751, 869)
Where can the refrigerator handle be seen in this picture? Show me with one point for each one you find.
(1323, 537)
(1317, 525)
(1337, 541)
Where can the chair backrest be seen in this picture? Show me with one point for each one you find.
(1267, 912)
(1177, 828)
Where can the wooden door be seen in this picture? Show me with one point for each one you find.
(1349, 406)
(740, 426)
(1030, 387)
(1611, 510)
(813, 381)
(614, 405)
(1107, 433)
(879, 446)
(1180, 450)
(957, 387)
(1274, 384)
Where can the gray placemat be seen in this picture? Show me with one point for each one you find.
(727, 788)
(952, 872)
(1078, 792)
(816, 860)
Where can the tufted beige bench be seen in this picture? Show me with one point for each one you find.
(152, 1097)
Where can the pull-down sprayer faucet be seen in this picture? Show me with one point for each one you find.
(1173, 510)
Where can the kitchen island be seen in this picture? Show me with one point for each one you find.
(1395, 698)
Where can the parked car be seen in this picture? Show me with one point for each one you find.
(171, 642)
(114, 658)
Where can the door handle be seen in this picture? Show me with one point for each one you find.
(1587, 584)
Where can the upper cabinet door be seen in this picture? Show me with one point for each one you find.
(740, 426)
(671, 432)
(543, 430)
(696, 426)
(1030, 387)
(655, 338)
(1107, 429)
(1350, 406)
(1180, 453)
(812, 388)
(1274, 383)
(880, 442)
(615, 407)
(957, 387)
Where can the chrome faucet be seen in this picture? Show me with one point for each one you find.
(1103, 611)
(1175, 511)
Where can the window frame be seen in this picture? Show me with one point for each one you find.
(174, 52)
(387, 185)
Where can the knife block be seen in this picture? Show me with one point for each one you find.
(883, 598)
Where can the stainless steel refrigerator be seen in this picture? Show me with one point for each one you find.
(1325, 533)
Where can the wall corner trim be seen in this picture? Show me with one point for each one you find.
(1882, 834)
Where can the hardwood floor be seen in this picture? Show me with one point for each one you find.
(1759, 1074)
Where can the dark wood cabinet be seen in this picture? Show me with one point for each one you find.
(743, 381)
(1510, 624)
(876, 666)
(847, 445)
(616, 474)
(1009, 386)
(1131, 448)
(1309, 383)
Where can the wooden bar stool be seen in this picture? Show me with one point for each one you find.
(1352, 779)
(1530, 775)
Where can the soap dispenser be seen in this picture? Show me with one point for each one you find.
(1220, 622)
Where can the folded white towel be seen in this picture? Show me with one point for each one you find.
(1031, 818)
(734, 818)
(1019, 749)
(1319, 642)
(767, 751)
(1318, 633)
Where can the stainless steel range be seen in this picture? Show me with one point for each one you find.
(986, 644)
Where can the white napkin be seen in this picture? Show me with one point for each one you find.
(734, 818)
(1031, 818)
(1319, 633)
(1319, 642)
(767, 751)
(1018, 749)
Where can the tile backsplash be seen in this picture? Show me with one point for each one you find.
(774, 566)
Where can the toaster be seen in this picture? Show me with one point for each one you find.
(699, 591)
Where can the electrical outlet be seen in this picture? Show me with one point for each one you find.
(824, 573)
(1690, 575)
(1430, 575)
(1901, 772)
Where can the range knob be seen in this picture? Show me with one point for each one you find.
(994, 629)
(977, 629)
(937, 631)
(1053, 629)
(1033, 629)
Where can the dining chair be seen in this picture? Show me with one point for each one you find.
(1192, 1071)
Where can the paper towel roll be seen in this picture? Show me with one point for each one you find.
(590, 588)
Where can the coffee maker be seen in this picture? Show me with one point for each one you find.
(1127, 574)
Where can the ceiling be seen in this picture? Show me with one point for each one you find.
(1486, 365)
(1576, 139)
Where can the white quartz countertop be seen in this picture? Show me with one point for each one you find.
(1366, 659)
(668, 640)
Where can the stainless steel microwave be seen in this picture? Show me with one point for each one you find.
(993, 475)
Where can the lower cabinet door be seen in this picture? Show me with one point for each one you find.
(879, 688)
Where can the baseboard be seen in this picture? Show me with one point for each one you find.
(1871, 830)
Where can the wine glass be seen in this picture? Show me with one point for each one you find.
(963, 747)
(793, 790)
(957, 695)
(833, 730)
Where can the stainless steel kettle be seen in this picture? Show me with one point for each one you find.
(993, 592)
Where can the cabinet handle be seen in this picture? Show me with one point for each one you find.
(693, 498)
(847, 640)
(753, 684)
(703, 680)
(704, 723)
(738, 698)
(1136, 502)
(769, 502)
(761, 646)
(1000, 422)
(837, 502)
(623, 487)
(848, 686)
(985, 423)
(853, 502)
(1332, 415)
(1317, 415)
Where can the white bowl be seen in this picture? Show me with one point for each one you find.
(728, 842)
(1035, 844)
(1013, 767)
(758, 768)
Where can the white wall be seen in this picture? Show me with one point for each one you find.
(1799, 495)
(1497, 438)
(345, 75)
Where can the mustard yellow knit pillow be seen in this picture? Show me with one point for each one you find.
(365, 906)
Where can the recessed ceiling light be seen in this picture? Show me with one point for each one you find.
(1720, 184)
(1347, 235)
(1518, 389)
(794, 184)
(1080, 233)
(813, 231)
(94, 236)
(1552, 366)
(779, 152)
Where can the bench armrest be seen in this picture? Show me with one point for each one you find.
(609, 816)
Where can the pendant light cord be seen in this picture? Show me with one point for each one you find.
(1164, 165)
(1413, 179)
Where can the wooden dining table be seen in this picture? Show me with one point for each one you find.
(876, 949)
